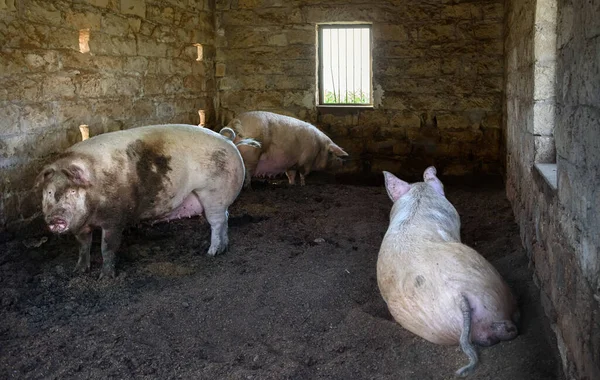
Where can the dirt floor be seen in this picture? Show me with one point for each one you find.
(295, 297)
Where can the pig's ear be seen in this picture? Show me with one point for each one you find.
(77, 174)
(429, 176)
(45, 175)
(337, 150)
(395, 186)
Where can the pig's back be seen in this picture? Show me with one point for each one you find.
(271, 127)
(168, 134)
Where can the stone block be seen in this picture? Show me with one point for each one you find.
(543, 118)
(12, 62)
(437, 32)
(143, 109)
(70, 115)
(277, 40)
(45, 61)
(134, 7)
(488, 31)
(220, 70)
(493, 11)
(463, 11)
(117, 25)
(545, 43)
(147, 47)
(305, 99)
(268, 16)
(454, 121)
(83, 20)
(61, 39)
(193, 84)
(25, 88)
(98, 3)
(57, 87)
(89, 86)
(42, 12)
(9, 116)
(37, 117)
(173, 85)
(405, 119)
(7, 5)
(104, 44)
(137, 65)
(544, 81)
(389, 32)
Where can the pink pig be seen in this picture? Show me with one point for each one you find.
(287, 145)
(435, 286)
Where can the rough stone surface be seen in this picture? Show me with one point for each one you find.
(48, 88)
(559, 228)
(437, 78)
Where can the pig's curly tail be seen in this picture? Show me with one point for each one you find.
(228, 133)
(465, 340)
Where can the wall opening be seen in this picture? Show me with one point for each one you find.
(84, 40)
(544, 92)
(202, 115)
(199, 52)
(344, 64)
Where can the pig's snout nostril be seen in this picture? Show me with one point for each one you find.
(57, 224)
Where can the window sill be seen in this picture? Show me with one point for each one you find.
(548, 172)
(345, 106)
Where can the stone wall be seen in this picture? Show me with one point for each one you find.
(437, 78)
(560, 227)
(141, 68)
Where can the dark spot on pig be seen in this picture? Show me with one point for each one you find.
(219, 158)
(151, 166)
(419, 280)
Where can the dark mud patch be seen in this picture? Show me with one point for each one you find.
(295, 297)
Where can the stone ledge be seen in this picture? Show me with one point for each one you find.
(548, 172)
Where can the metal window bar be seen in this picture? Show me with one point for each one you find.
(339, 50)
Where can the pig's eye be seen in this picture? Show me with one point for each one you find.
(72, 191)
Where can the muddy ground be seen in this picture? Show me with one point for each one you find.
(295, 297)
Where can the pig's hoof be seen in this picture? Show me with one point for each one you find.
(81, 268)
(212, 251)
(107, 273)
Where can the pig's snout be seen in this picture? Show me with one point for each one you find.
(57, 224)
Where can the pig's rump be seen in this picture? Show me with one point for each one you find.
(423, 289)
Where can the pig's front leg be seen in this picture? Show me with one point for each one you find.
(111, 240)
(291, 175)
(85, 244)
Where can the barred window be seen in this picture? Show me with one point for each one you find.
(345, 64)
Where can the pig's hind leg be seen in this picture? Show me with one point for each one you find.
(217, 218)
(465, 340)
(111, 240)
(214, 203)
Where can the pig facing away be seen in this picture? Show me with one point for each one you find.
(158, 172)
(287, 145)
(435, 286)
